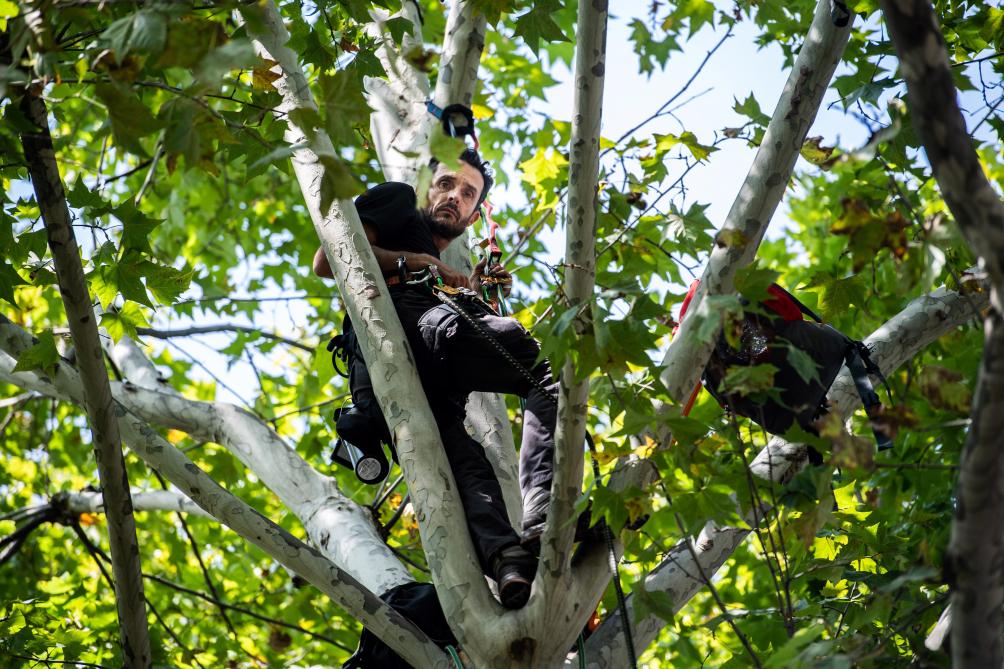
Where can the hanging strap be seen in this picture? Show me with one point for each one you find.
(457, 120)
(859, 363)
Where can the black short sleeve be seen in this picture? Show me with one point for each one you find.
(391, 211)
(388, 209)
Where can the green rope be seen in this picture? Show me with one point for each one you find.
(456, 658)
(582, 652)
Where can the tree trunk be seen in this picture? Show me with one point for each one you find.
(976, 551)
(125, 551)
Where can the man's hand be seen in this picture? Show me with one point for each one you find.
(452, 277)
(497, 272)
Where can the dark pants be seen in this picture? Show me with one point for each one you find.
(453, 360)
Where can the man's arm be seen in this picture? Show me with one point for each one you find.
(387, 260)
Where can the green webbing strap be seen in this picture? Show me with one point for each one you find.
(456, 658)
(582, 652)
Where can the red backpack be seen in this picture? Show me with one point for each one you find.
(768, 336)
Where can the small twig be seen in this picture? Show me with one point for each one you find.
(195, 361)
(714, 593)
(310, 407)
(123, 175)
(153, 170)
(222, 327)
(247, 612)
(47, 661)
(202, 565)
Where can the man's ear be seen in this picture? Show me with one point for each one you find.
(474, 217)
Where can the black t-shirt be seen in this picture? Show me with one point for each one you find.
(391, 210)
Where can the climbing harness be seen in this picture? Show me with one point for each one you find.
(457, 120)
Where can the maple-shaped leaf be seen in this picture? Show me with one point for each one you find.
(43, 355)
(537, 25)
(492, 9)
(344, 106)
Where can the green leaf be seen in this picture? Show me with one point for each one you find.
(43, 355)
(124, 321)
(337, 182)
(136, 227)
(130, 280)
(9, 278)
(234, 55)
(8, 10)
(750, 379)
(689, 140)
(803, 363)
(537, 25)
(166, 283)
(104, 284)
(492, 9)
(447, 149)
(752, 282)
(145, 32)
(750, 108)
(130, 118)
(344, 106)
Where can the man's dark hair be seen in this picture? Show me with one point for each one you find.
(473, 158)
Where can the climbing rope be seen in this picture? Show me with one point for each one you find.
(444, 295)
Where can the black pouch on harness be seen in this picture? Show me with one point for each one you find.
(774, 333)
(361, 426)
(417, 602)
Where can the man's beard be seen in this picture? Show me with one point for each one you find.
(447, 229)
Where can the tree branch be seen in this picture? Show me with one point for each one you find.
(86, 501)
(920, 323)
(399, 633)
(759, 196)
(442, 524)
(222, 327)
(580, 255)
(97, 397)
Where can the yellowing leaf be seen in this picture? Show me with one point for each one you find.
(545, 164)
(481, 112)
(262, 76)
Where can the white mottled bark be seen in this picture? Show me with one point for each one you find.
(759, 196)
(337, 526)
(462, 591)
(97, 397)
(399, 633)
(920, 323)
(554, 575)
(142, 500)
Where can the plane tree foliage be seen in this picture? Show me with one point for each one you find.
(188, 214)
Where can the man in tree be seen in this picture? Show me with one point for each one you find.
(454, 359)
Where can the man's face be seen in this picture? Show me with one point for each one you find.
(453, 199)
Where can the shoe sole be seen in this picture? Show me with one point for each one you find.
(515, 594)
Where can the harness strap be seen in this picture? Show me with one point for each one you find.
(859, 369)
